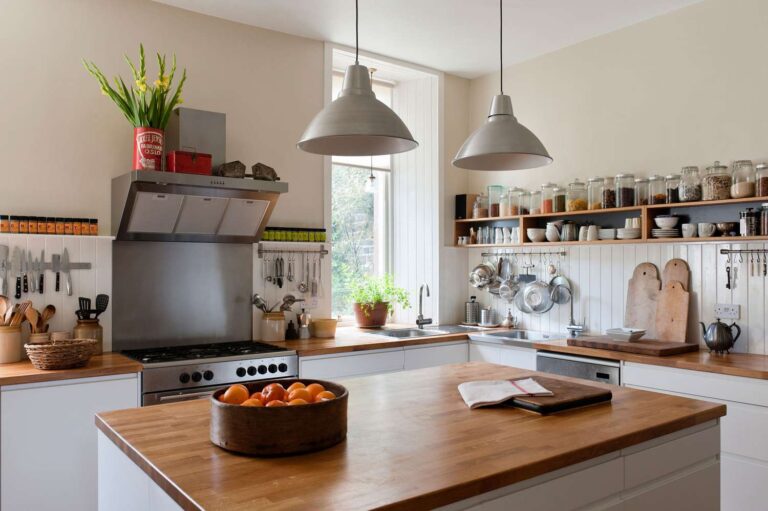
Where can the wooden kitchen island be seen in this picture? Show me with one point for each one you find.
(413, 444)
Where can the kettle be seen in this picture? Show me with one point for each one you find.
(719, 337)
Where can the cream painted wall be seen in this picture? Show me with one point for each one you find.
(685, 88)
(62, 141)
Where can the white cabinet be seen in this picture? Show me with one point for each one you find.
(343, 365)
(48, 440)
(513, 356)
(744, 443)
(419, 357)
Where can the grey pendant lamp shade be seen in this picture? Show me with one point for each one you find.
(356, 123)
(502, 143)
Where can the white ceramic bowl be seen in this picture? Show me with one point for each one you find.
(536, 235)
(666, 222)
(552, 236)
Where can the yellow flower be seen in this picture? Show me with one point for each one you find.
(180, 100)
(104, 91)
(163, 82)
(141, 84)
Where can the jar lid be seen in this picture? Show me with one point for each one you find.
(641, 180)
(558, 189)
(742, 162)
(625, 176)
(549, 185)
(672, 176)
(690, 168)
(576, 182)
(717, 166)
(655, 177)
(760, 166)
(596, 180)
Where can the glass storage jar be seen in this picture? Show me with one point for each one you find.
(762, 179)
(595, 192)
(576, 197)
(672, 182)
(548, 198)
(743, 179)
(625, 190)
(504, 204)
(716, 183)
(609, 193)
(641, 191)
(480, 207)
(533, 202)
(764, 220)
(690, 184)
(559, 201)
(657, 193)
(514, 200)
(494, 194)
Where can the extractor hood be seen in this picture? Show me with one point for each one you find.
(168, 206)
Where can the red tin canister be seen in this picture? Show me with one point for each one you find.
(147, 149)
(188, 162)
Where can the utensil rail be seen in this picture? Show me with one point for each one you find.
(321, 251)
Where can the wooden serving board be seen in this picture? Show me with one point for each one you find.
(672, 313)
(653, 348)
(567, 395)
(642, 295)
(676, 270)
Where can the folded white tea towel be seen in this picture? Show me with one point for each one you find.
(493, 392)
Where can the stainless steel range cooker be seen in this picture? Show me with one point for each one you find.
(182, 373)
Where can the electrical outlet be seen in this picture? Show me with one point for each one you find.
(727, 311)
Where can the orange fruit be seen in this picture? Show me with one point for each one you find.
(235, 394)
(301, 394)
(271, 386)
(276, 403)
(325, 395)
(259, 396)
(271, 393)
(314, 389)
(294, 386)
(294, 402)
(252, 402)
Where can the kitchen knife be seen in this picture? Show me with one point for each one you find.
(16, 270)
(35, 263)
(24, 270)
(56, 268)
(41, 269)
(4, 270)
(66, 269)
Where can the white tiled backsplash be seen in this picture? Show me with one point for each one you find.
(599, 275)
(96, 250)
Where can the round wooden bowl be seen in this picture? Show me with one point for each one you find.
(280, 430)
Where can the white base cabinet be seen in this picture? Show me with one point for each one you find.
(744, 443)
(513, 356)
(48, 442)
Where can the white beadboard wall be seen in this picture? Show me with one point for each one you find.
(96, 250)
(416, 195)
(599, 275)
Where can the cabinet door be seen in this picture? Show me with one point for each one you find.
(48, 441)
(435, 355)
(524, 358)
(479, 352)
(345, 365)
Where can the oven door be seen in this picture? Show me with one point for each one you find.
(174, 396)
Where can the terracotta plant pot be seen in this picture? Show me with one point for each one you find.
(371, 315)
(148, 149)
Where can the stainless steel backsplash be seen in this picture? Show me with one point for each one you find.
(169, 294)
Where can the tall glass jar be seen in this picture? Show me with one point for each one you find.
(480, 207)
(548, 198)
(762, 180)
(743, 179)
(595, 192)
(716, 183)
(576, 197)
(534, 202)
(609, 193)
(672, 183)
(560, 199)
(625, 190)
(657, 193)
(690, 184)
(641, 191)
(504, 204)
(514, 200)
(494, 194)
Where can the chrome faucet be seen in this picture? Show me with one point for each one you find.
(420, 321)
(574, 330)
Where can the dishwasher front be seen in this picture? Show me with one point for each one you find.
(604, 371)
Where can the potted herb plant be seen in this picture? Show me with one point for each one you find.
(374, 299)
(147, 106)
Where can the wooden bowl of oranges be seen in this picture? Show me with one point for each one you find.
(279, 418)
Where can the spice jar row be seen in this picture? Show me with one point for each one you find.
(296, 234)
(15, 224)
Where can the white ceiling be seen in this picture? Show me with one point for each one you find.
(455, 36)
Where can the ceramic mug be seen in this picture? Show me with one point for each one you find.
(689, 230)
(636, 222)
(592, 233)
(583, 233)
(706, 230)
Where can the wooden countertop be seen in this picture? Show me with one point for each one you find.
(412, 444)
(734, 364)
(105, 364)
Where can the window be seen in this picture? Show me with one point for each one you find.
(360, 215)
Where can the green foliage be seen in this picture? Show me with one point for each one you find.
(372, 289)
(144, 105)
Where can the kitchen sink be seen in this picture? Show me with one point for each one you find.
(409, 333)
(515, 337)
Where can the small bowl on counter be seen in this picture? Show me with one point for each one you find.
(625, 334)
(324, 328)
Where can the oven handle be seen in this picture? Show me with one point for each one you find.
(186, 397)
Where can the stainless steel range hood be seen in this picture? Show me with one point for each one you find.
(168, 206)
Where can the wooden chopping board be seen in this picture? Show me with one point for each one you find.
(676, 270)
(672, 313)
(652, 348)
(642, 295)
(567, 395)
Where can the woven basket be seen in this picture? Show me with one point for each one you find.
(62, 354)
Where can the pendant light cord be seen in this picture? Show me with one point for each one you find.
(357, 37)
(501, 50)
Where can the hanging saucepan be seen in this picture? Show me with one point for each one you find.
(537, 295)
(482, 275)
(495, 284)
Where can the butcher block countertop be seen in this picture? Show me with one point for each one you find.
(106, 364)
(412, 444)
(734, 364)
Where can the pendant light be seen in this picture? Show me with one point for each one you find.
(502, 143)
(356, 123)
(370, 182)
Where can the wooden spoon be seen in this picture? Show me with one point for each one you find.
(3, 305)
(32, 316)
(9, 314)
(20, 314)
(46, 316)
